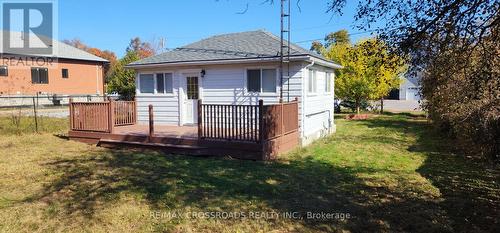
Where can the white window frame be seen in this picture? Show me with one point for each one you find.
(245, 80)
(164, 84)
(328, 83)
(155, 88)
(314, 78)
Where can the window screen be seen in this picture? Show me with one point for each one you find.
(65, 73)
(269, 80)
(4, 71)
(169, 86)
(253, 80)
(147, 83)
(39, 75)
(160, 84)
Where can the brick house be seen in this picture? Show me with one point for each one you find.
(70, 71)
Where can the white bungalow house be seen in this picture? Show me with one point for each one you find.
(237, 68)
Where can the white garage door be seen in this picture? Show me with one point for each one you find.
(412, 94)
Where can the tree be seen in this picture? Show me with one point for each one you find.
(453, 46)
(105, 54)
(317, 47)
(142, 49)
(385, 67)
(370, 70)
(122, 80)
(338, 37)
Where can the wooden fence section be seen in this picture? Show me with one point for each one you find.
(252, 123)
(229, 122)
(91, 116)
(101, 116)
(125, 113)
(280, 119)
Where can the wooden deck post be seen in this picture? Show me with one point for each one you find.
(200, 118)
(261, 121)
(135, 111)
(71, 113)
(151, 121)
(111, 115)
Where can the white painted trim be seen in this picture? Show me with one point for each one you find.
(315, 82)
(217, 62)
(191, 72)
(182, 92)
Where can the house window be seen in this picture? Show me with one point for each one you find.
(261, 80)
(164, 83)
(39, 75)
(328, 82)
(312, 82)
(4, 71)
(65, 73)
(146, 83)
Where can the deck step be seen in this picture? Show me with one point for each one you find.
(176, 146)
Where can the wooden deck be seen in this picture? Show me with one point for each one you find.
(260, 133)
(160, 131)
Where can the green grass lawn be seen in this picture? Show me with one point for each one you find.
(390, 174)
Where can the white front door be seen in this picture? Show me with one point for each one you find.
(192, 93)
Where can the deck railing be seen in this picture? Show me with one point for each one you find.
(125, 113)
(248, 123)
(229, 122)
(252, 123)
(101, 116)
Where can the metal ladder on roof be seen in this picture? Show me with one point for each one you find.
(285, 51)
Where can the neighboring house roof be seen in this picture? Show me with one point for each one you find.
(411, 81)
(233, 46)
(61, 50)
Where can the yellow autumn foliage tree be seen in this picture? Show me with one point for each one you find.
(370, 71)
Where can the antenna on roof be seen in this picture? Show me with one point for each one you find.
(285, 48)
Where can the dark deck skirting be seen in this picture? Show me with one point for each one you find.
(192, 146)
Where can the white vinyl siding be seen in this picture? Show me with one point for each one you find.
(318, 119)
(165, 106)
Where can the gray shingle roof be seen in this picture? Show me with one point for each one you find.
(241, 45)
(61, 50)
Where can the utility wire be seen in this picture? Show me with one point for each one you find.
(350, 34)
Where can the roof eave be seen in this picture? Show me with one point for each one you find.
(326, 63)
(216, 62)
